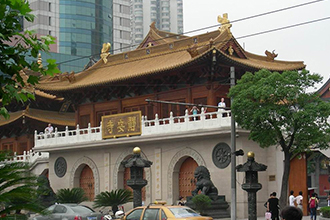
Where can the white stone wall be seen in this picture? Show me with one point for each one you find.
(170, 151)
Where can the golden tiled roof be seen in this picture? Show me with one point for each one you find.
(169, 55)
(159, 37)
(65, 119)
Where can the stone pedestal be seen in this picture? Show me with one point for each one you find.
(218, 208)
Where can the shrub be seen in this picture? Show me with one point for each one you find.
(113, 199)
(74, 195)
(201, 202)
(325, 211)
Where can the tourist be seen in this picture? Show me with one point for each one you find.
(291, 198)
(299, 201)
(272, 206)
(194, 111)
(49, 129)
(313, 202)
(222, 104)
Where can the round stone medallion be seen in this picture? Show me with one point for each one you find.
(60, 167)
(221, 155)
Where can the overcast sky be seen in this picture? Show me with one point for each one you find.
(309, 43)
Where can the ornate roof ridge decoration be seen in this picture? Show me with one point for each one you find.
(192, 50)
(65, 119)
(225, 23)
(157, 37)
(71, 77)
(271, 55)
(105, 52)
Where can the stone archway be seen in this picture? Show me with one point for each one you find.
(118, 173)
(77, 169)
(174, 169)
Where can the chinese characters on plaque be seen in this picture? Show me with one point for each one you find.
(118, 125)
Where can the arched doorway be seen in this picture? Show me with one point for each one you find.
(87, 182)
(186, 177)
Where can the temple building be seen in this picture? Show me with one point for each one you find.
(101, 114)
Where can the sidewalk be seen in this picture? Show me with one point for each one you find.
(263, 218)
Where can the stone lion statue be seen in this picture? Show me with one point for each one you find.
(204, 183)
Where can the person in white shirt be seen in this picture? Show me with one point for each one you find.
(222, 104)
(49, 129)
(299, 200)
(291, 199)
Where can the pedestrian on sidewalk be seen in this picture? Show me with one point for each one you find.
(313, 201)
(272, 206)
(299, 201)
(291, 199)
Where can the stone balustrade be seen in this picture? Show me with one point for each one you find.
(29, 157)
(155, 126)
(186, 122)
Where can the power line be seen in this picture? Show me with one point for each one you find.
(200, 29)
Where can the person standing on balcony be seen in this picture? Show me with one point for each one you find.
(222, 105)
(49, 129)
(194, 111)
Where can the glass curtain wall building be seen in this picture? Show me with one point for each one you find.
(79, 26)
(84, 25)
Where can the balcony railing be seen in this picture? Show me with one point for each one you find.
(29, 157)
(155, 126)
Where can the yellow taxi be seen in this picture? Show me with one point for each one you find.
(159, 211)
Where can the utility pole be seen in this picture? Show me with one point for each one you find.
(233, 150)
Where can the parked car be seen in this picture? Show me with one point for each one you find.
(159, 211)
(69, 212)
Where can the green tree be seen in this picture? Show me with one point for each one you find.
(278, 110)
(18, 187)
(113, 199)
(74, 195)
(15, 47)
(201, 202)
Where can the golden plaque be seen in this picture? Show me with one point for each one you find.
(119, 125)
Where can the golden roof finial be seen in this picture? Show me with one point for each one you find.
(225, 23)
(105, 52)
(39, 61)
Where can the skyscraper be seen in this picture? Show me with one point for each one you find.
(80, 26)
(168, 15)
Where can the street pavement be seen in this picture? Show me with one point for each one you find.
(263, 218)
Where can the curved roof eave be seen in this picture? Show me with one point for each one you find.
(49, 88)
(40, 115)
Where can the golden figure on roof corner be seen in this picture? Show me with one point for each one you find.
(230, 50)
(225, 23)
(105, 52)
(39, 60)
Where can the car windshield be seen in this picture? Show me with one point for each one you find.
(82, 209)
(183, 212)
